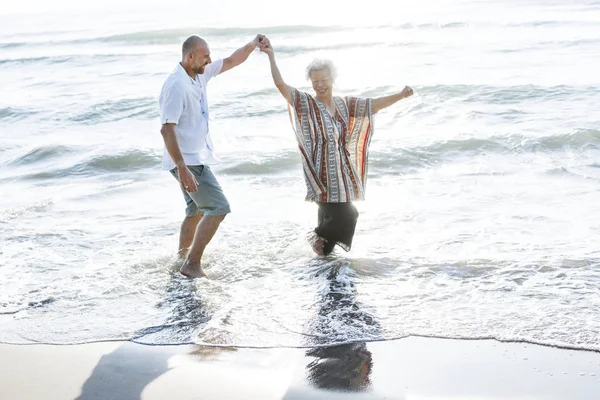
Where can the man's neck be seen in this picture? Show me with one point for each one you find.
(189, 71)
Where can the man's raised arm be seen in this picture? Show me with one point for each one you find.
(241, 54)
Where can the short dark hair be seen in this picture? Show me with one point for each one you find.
(190, 44)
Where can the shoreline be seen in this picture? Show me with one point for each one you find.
(251, 347)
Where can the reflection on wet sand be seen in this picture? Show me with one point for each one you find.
(343, 367)
(340, 317)
(187, 313)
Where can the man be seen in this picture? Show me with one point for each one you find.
(188, 151)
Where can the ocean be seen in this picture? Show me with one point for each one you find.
(481, 218)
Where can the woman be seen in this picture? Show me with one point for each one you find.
(333, 136)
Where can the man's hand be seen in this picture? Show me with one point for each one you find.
(258, 40)
(406, 92)
(188, 182)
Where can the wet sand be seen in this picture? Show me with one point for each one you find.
(410, 368)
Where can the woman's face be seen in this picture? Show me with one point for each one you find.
(322, 82)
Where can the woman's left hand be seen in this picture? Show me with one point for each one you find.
(407, 91)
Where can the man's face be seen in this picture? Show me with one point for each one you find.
(321, 82)
(200, 58)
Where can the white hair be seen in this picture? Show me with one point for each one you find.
(320, 64)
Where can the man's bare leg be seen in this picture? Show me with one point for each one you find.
(204, 233)
(186, 234)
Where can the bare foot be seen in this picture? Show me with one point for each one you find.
(316, 242)
(192, 270)
(182, 254)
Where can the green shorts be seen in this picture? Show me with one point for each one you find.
(209, 199)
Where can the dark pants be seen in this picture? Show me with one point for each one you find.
(336, 225)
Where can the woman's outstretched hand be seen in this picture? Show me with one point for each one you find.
(407, 92)
(265, 46)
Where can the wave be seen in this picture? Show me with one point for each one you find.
(571, 43)
(423, 156)
(33, 60)
(501, 95)
(257, 93)
(272, 164)
(426, 25)
(117, 110)
(106, 111)
(491, 24)
(551, 24)
(78, 59)
(9, 114)
(437, 94)
(294, 50)
(13, 213)
(7, 310)
(581, 139)
(130, 160)
(546, 45)
(178, 35)
(233, 112)
(171, 35)
(147, 107)
(41, 154)
(12, 45)
(168, 36)
(418, 157)
(402, 159)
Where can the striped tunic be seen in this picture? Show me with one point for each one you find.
(334, 150)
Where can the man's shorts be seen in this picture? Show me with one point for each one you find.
(209, 199)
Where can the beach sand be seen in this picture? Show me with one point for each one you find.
(411, 368)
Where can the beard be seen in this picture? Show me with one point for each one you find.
(200, 70)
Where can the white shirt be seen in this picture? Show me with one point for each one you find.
(183, 101)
